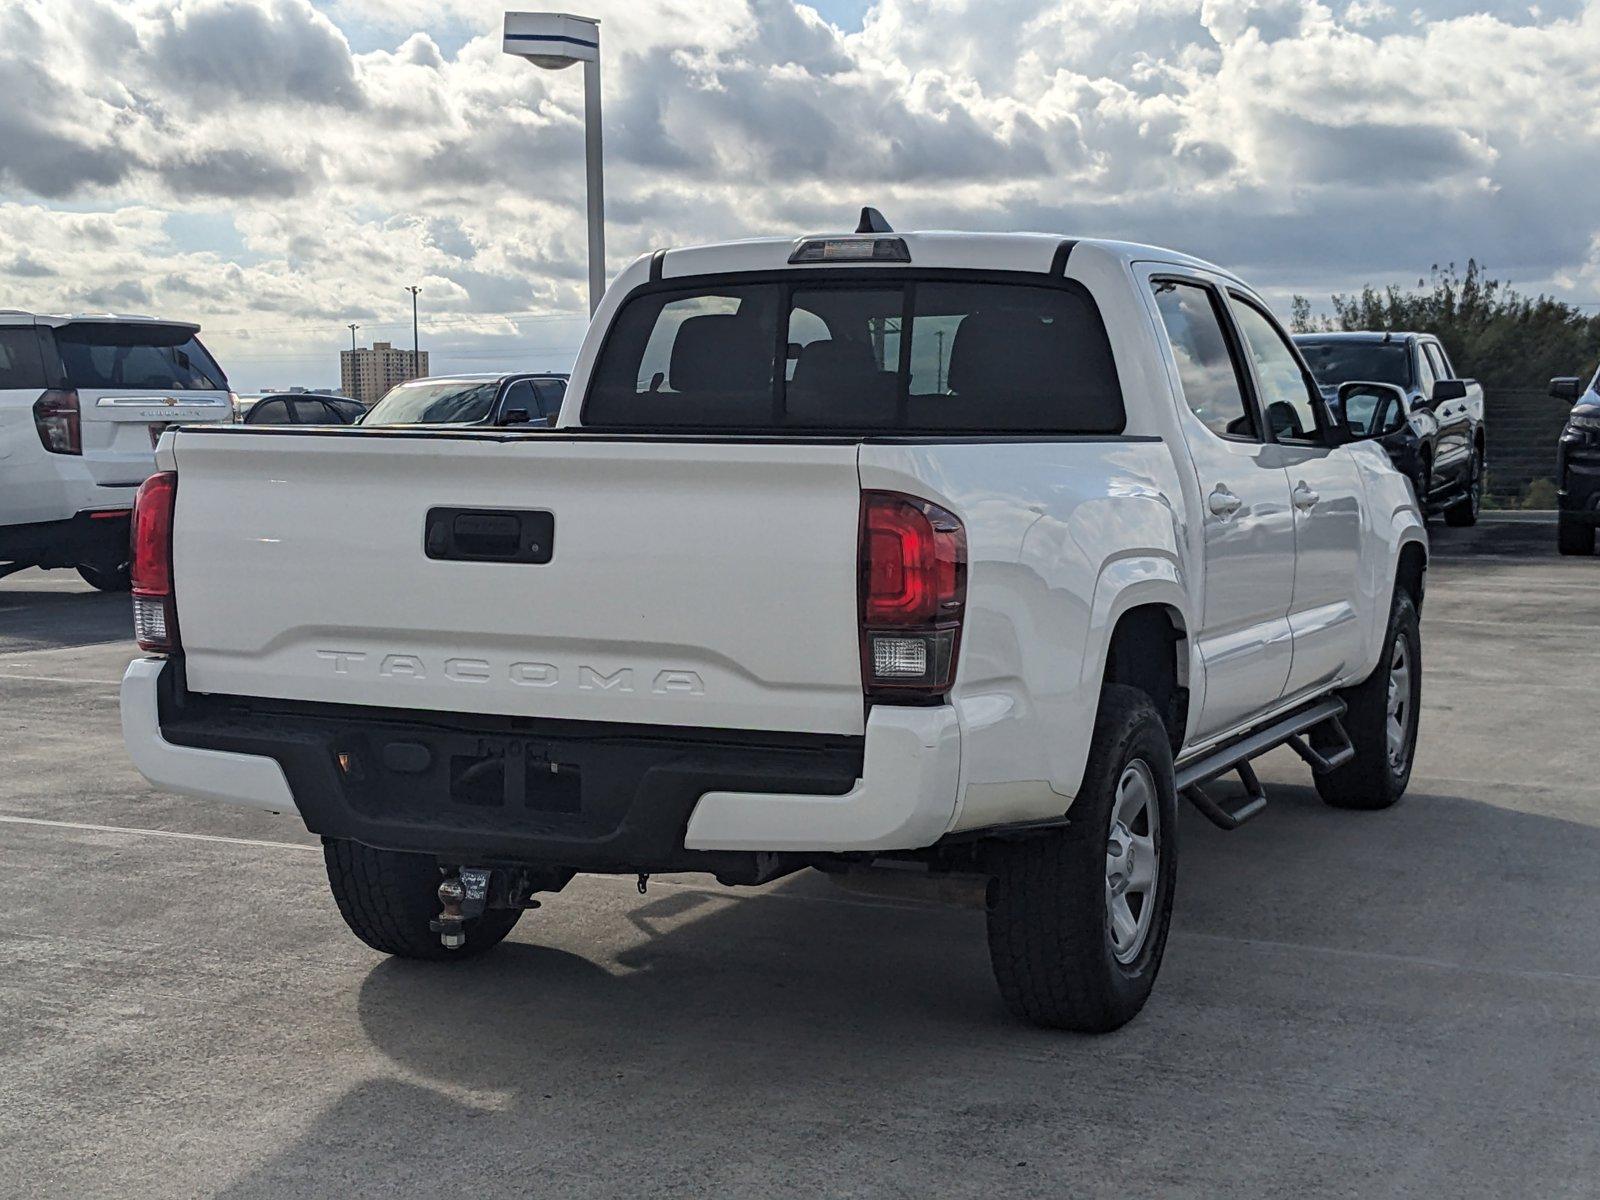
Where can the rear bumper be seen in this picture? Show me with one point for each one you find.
(99, 536)
(590, 796)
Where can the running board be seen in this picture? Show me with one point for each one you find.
(1192, 777)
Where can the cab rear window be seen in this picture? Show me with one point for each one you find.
(909, 355)
(105, 354)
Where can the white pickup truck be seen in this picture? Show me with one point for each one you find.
(955, 556)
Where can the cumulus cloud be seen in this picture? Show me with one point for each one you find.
(1311, 145)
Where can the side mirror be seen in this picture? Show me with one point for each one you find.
(1449, 389)
(1567, 387)
(1371, 410)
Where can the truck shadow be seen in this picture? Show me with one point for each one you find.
(36, 616)
(801, 1042)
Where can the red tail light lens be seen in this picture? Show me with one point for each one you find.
(155, 616)
(55, 416)
(913, 583)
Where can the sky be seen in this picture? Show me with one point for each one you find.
(279, 169)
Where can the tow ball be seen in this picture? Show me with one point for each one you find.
(462, 897)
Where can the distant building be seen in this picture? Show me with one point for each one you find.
(365, 375)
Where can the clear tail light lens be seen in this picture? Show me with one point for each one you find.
(913, 594)
(155, 615)
(56, 417)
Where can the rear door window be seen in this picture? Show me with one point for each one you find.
(914, 355)
(313, 412)
(106, 355)
(551, 393)
(1212, 387)
(21, 364)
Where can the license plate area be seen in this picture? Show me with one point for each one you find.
(514, 775)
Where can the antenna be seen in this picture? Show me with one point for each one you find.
(872, 222)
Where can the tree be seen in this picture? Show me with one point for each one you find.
(1493, 333)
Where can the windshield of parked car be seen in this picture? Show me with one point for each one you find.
(1337, 361)
(435, 402)
(106, 354)
(884, 353)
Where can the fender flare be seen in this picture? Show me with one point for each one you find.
(1129, 581)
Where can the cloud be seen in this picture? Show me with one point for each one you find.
(1309, 145)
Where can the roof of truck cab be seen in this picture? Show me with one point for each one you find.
(936, 249)
(1358, 335)
(15, 316)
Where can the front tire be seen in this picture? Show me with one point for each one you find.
(1382, 720)
(1574, 537)
(388, 898)
(1464, 512)
(1078, 917)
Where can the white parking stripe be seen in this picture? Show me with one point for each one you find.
(160, 833)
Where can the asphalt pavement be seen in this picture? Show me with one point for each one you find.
(1384, 1004)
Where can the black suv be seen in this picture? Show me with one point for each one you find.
(525, 399)
(1578, 465)
(1440, 444)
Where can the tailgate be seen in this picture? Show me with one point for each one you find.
(688, 583)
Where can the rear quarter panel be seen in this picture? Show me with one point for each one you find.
(1062, 537)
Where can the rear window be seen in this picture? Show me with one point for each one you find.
(103, 354)
(1336, 362)
(908, 355)
(435, 402)
(21, 364)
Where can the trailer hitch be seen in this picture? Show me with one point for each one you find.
(462, 897)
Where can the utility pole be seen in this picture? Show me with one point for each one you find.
(416, 372)
(938, 374)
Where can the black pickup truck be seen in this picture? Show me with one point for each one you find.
(1441, 445)
(1578, 465)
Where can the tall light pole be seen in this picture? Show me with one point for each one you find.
(415, 357)
(555, 41)
(353, 328)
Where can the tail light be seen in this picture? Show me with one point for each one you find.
(55, 416)
(155, 616)
(913, 595)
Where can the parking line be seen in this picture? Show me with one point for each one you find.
(160, 833)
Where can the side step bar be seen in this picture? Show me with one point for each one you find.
(1324, 753)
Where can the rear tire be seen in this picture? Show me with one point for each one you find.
(1382, 720)
(1464, 512)
(1069, 946)
(106, 578)
(388, 898)
(1574, 537)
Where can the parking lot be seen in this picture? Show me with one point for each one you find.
(1398, 1003)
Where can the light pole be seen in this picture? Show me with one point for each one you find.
(555, 41)
(353, 328)
(415, 357)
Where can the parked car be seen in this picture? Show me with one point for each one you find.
(1441, 446)
(82, 401)
(1578, 465)
(304, 408)
(951, 557)
(530, 398)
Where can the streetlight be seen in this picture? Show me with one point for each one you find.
(353, 329)
(555, 41)
(415, 357)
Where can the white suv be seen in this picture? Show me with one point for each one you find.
(82, 402)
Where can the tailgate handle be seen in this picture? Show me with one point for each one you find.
(489, 535)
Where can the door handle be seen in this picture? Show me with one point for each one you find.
(1304, 498)
(1222, 502)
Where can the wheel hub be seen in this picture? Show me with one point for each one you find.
(1133, 845)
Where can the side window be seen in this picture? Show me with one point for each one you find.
(268, 412)
(313, 412)
(1206, 369)
(1287, 397)
(1436, 360)
(1426, 375)
(551, 393)
(519, 395)
(21, 365)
